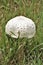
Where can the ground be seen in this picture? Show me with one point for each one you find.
(21, 51)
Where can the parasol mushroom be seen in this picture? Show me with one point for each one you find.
(21, 27)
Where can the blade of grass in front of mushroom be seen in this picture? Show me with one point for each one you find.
(12, 33)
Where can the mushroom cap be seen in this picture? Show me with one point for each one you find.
(21, 27)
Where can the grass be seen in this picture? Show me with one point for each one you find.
(21, 51)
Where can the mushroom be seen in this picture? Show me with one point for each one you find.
(21, 27)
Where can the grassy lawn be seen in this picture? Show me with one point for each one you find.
(21, 51)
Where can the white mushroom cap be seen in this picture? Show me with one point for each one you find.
(20, 26)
